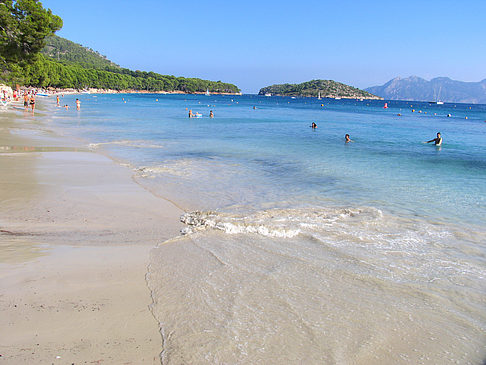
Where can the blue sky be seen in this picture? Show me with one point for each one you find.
(257, 43)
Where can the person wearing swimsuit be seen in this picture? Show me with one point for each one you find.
(437, 141)
(32, 102)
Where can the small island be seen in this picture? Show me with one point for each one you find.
(318, 88)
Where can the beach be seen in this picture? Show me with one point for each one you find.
(133, 234)
(76, 232)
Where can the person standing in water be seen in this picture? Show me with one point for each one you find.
(211, 114)
(26, 100)
(437, 141)
(32, 101)
(78, 104)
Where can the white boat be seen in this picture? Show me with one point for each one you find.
(319, 96)
(337, 98)
(268, 94)
(437, 101)
(207, 92)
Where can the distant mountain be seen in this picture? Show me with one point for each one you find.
(326, 88)
(440, 88)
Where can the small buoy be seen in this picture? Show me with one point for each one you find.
(156, 99)
(413, 110)
(466, 117)
(322, 104)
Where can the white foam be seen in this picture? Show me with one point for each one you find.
(129, 143)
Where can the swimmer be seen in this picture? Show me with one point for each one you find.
(190, 113)
(211, 114)
(78, 104)
(437, 141)
(66, 107)
(314, 125)
(347, 139)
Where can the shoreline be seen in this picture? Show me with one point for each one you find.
(76, 232)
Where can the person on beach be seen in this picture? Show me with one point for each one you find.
(211, 114)
(26, 100)
(347, 139)
(437, 141)
(313, 125)
(78, 104)
(32, 102)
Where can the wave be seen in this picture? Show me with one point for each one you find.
(283, 223)
(390, 243)
(128, 143)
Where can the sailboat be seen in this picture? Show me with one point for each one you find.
(207, 92)
(437, 101)
(319, 96)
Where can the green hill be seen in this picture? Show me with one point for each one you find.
(65, 64)
(327, 88)
(65, 51)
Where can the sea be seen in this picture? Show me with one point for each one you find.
(299, 248)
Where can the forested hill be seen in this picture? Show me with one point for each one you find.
(65, 64)
(65, 51)
(327, 89)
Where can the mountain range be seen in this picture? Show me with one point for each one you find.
(438, 89)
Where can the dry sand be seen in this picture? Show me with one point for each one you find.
(76, 232)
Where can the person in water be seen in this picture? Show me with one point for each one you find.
(190, 113)
(32, 101)
(78, 104)
(211, 114)
(347, 139)
(437, 141)
(26, 100)
(314, 125)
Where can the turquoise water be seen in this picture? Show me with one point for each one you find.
(273, 149)
(297, 246)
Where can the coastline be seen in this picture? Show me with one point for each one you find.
(76, 232)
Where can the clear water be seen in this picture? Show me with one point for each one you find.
(299, 248)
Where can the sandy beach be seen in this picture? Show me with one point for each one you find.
(75, 237)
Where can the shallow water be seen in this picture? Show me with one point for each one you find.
(299, 248)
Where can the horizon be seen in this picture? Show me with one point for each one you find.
(249, 45)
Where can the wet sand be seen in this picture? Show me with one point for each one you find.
(75, 237)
